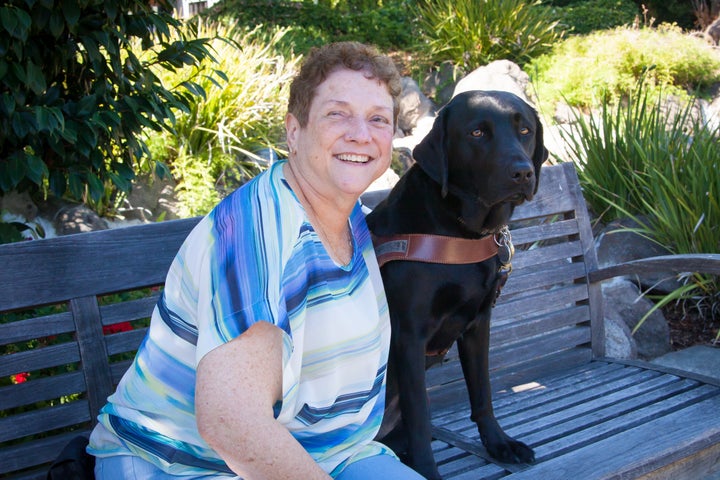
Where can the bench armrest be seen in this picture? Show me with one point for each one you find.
(698, 262)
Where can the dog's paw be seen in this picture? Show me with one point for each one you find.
(512, 451)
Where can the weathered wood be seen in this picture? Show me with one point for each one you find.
(701, 263)
(96, 263)
(89, 336)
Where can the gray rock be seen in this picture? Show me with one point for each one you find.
(501, 75)
(77, 219)
(440, 83)
(613, 246)
(619, 342)
(414, 105)
(623, 303)
(19, 203)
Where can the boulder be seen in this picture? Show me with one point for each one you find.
(614, 245)
(623, 304)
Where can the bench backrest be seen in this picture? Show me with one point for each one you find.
(73, 310)
(547, 308)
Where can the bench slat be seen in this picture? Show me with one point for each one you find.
(542, 303)
(533, 327)
(124, 342)
(46, 419)
(95, 252)
(568, 413)
(39, 358)
(41, 389)
(528, 350)
(652, 444)
(129, 310)
(32, 328)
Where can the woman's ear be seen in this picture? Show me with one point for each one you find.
(292, 129)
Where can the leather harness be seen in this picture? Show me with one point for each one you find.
(447, 250)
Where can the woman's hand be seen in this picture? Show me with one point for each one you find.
(237, 385)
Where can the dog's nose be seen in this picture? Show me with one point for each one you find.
(523, 174)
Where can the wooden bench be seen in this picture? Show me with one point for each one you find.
(586, 416)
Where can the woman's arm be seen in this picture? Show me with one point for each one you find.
(237, 385)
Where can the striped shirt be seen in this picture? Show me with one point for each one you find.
(256, 257)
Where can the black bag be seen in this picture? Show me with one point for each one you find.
(73, 463)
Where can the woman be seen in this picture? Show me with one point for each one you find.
(266, 354)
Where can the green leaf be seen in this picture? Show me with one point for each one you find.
(23, 124)
(49, 119)
(57, 23)
(9, 234)
(95, 186)
(120, 182)
(7, 104)
(71, 12)
(161, 170)
(35, 78)
(87, 105)
(125, 171)
(58, 183)
(5, 184)
(16, 168)
(76, 184)
(17, 22)
(36, 169)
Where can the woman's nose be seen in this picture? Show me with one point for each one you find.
(358, 131)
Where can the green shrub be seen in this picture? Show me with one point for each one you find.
(472, 33)
(74, 97)
(640, 159)
(588, 16)
(211, 149)
(386, 24)
(604, 66)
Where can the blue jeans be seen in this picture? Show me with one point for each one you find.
(128, 467)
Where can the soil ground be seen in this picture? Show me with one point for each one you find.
(688, 327)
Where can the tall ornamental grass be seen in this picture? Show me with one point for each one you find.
(472, 33)
(215, 146)
(659, 165)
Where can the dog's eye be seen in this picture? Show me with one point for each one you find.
(524, 131)
(478, 133)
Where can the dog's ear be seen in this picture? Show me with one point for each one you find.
(540, 154)
(431, 152)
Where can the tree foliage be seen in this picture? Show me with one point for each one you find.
(74, 97)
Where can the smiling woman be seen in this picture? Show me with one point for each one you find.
(273, 318)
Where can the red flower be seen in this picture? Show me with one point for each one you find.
(117, 327)
(19, 377)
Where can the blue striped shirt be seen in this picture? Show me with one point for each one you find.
(256, 257)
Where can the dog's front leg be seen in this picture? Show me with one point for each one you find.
(473, 348)
(409, 355)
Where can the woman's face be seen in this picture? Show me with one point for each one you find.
(347, 142)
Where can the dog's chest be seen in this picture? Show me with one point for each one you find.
(454, 309)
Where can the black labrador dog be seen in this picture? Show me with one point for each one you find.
(481, 158)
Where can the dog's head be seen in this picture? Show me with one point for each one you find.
(485, 149)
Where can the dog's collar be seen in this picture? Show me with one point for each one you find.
(441, 249)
